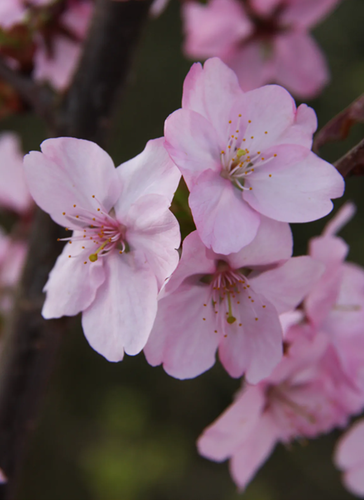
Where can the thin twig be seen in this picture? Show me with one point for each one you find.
(352, 163)
(31, 342)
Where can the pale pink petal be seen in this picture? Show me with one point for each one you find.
(306, 13)
(254, 452)
(300, 193)
(192, 144)
(155, 231)
(350, 448)
(224, 221)
(251, 66)
(213, 28)
(281, 157)
(157, 7)
(286, 286)
(221, 439)
(151, 172)
(340, 219)
(300, 64)
(77, 17)
(72, 284)
(58, 68)
(212, 92)
(303, 128)
(11, 12)
(14, 193)
(193, 261)
(272, 111)
(265, 7)
(252, 346)
(70, 172)
(330, 251)
(183, 336)
(273, 243)
(122, 315)
(354, 479)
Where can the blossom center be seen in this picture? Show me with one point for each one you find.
(97, 229)
(241, 156)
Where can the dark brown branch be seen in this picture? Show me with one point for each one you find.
(30, 342)
(339, 127)
(352, 163)
(40, 98)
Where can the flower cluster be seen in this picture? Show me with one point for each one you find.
(262, 40)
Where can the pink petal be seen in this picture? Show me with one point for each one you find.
(300, 64)
(150, 172)
(273, 243)
(213, 28)
(255, 451)
(70, 172)
(272, 111)
(300, 193)
(265, 7)
(287, 285)
(14, 193)
(354, 480)
(212, 92)
(193, 261)
(252, 346)
(181, 338)
(221, 439)
(249, 64)
(340, 219)
(123, 312)
(72, 285)
(224, 221)
(192, 144)
(11, 12)
(350, 448)
(153, 229)
(306, 13)
(303, 128)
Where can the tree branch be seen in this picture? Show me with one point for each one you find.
(352, 163)
(30, 344)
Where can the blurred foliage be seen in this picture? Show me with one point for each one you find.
(127, 430)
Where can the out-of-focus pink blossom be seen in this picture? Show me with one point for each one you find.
(246, 154)
(349, 457)
(262, 40)
(14, 11)
(308, 394)
(230, 303)
(14, 193)
(12, 256)
(57, 63)
(123, 243)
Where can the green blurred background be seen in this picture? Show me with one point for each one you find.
(127, 430)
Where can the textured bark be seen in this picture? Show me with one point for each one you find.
(31, 343)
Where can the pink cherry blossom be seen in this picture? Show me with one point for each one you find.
(262, 40)
(57, 64)
(230, 303)
(12, 256)
(308, 394)
(349, 457)
(123, 243)
(14, 11)
(14, 193)
(244, 155)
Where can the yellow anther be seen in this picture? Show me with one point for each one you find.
(240, 152)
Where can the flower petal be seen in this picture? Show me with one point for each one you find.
(306, 13)
(72, 285)
(70, 172)
(183, 337)
(224, 221)
(150, 172)
(122, 315)
(300, 193)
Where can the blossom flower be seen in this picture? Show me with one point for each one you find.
(123, 243)
(349, 457)
(308, 394)
(263, 41)
(230, 303)
(15, 11)
(14, 193)
(12, 257)
(246, 154)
